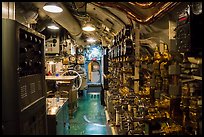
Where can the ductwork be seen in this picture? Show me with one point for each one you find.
(144, 5)
(65, 19)
(132, 13)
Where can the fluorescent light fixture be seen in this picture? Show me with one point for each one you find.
(88, 27)
(54, 27)
(91, 40)
(52, 7)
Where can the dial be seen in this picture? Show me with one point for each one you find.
(197, 8)
(80, 59)
(72, 59)
(80, 49)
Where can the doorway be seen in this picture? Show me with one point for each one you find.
(94, 74)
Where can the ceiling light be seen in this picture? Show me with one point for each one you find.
(88, 27)
(52, 7)
(54, 27)
(91, 40)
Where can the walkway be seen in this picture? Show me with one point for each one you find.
(89, 119)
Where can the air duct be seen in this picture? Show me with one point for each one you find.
(65, 19)
(132, 12)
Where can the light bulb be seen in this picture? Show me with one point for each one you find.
(51, 7)
(91, 40)
(88, 27)
(53, 27)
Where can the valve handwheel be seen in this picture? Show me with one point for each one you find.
(78, 81)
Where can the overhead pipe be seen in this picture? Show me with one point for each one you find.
(167, 6)
(65, 19)
(191, 76)
(193, 60)
(111, 15)
(145, 5)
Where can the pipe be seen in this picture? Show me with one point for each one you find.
(191, 76)
(65, 19)
(195, 61)
(132, 13)
(93, 5)
(8, 10)
(144, 5)
(110, 14)
(137, 63)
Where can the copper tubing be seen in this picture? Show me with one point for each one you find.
(131, 13)
(144, 5)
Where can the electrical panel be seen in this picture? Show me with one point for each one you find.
(189, 30)
(52, 45)
(23, 80)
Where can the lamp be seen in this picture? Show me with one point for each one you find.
(52, 7)
(88, 27)
(91, 40)
(53, 26)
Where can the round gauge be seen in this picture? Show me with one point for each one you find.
(72, 59)
(80, 49)
(80, 59)
(65, 61)
(197, 8)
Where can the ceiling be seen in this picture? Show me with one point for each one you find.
(108, 17)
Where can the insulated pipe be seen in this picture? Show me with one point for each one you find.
(8, 10)
(195, 61)
(144, 5)
(191, 76)
(109, 14)
(98, 10)
(65, 19)
(132, 13)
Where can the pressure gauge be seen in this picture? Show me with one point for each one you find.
(197, 8)
(80, 49)
(80, 59)
(72, 59)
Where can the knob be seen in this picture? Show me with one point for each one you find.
(36, 40)
(38, 63)
(30, 62)
(25, 36)
(38, 52)
(24, 64)
(23, 50)
(31, 38)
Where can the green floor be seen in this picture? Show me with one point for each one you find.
(89, 119)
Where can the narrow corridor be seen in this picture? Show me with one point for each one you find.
(89, 119)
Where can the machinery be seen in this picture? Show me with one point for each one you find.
(143, 58)
(169, 99)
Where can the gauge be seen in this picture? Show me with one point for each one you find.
(65, 61)
(197, 8)
(72, 59)
(80, 59)
(80, 49)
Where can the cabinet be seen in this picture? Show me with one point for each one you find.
(57, 116)
(23, 93)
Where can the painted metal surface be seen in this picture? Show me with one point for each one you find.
(90, 117)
